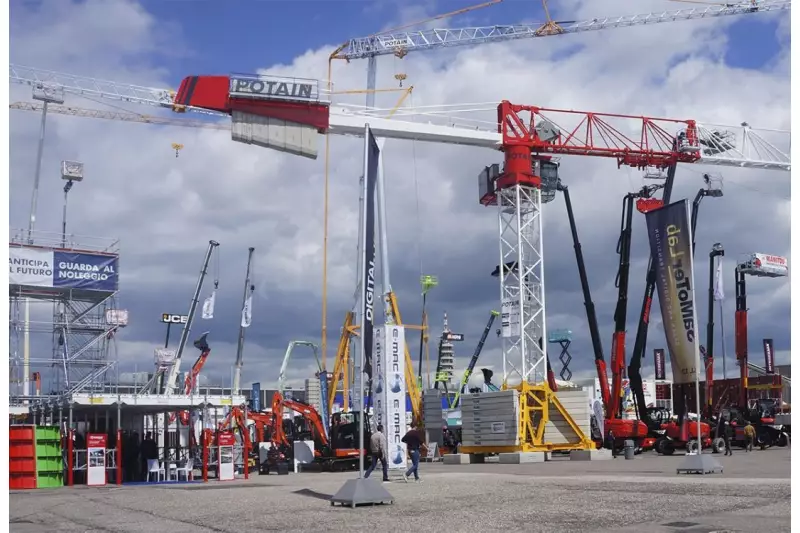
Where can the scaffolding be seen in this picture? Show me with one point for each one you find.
(64, 316)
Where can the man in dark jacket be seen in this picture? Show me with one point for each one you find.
(377, 450)
(414, 441)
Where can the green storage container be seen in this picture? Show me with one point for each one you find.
(48, 449)
(48, 433)
(50, 480)
(49, 464)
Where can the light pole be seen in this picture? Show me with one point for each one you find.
(47, 95)
(71, 171)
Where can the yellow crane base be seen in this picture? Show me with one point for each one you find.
(538, 407)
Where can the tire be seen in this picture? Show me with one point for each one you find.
(667, 448)
(691, 446)
(718, 445)
(659, 445)
(783, 440)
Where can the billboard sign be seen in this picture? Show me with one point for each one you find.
(34, 267)
(671, 253)
(452, 337)
(769, 356)
(390, 391)
(660, 364)
(168, 318)
(510, 317)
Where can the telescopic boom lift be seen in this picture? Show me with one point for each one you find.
(621, 283)
(474, 360)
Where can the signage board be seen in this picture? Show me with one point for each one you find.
(117, 317)
(225, 443)
(273, 88)
(453, 337)
(255, 397)
(35, 267)
(168, 318)
(96, 444)
(509, 317)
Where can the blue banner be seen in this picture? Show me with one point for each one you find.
(85, 271)
(255, 397)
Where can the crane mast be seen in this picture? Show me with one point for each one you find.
(248, 287)
(171, 383)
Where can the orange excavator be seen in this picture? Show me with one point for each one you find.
(191, 378)
(340, 446)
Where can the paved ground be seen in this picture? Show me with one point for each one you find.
(645, 494)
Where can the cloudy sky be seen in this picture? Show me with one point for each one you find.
(165, 209)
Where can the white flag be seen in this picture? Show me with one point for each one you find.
(208, 306)
(719, 293)
(247, 310)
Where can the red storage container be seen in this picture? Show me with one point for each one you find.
(21, 433)
(21, 466)
(20, 449)
(21, 481)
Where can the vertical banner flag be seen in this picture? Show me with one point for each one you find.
(719, 292)
(769, 356)
(660, 364)
(670, 247)
(247, 310)
(390, 392)
(208, 306)
(371, 158)
(255, 397)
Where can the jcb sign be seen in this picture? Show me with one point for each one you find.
(167, 318)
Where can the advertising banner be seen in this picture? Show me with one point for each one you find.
(390, 391)
(48, 268)
(255, 397)
(371, 160)
(769, 356)
(510, 317)
(660, 364)
(670, 237)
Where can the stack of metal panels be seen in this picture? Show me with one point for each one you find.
(490, 419)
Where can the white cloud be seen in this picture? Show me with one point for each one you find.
(165, 209)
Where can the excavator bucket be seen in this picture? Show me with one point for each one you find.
(201, 343)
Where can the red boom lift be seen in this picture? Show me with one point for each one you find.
(620, 429)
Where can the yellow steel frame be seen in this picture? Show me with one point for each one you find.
(536, 403)
(341, 363)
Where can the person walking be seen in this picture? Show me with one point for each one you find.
(727, 435)
(377, 450)
(414, 441)
(749, 436)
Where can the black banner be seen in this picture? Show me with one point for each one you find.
(769, 356)
(660, 363)
(671, 250)
(371, 160)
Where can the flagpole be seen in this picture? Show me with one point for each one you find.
(244, 323)
(722, 335)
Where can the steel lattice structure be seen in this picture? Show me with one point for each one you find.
(522, 282)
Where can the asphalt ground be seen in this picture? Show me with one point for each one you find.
(645, 494)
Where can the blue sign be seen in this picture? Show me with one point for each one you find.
(85, 271)
(255, 396)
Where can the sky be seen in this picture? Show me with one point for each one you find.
(164, 208)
